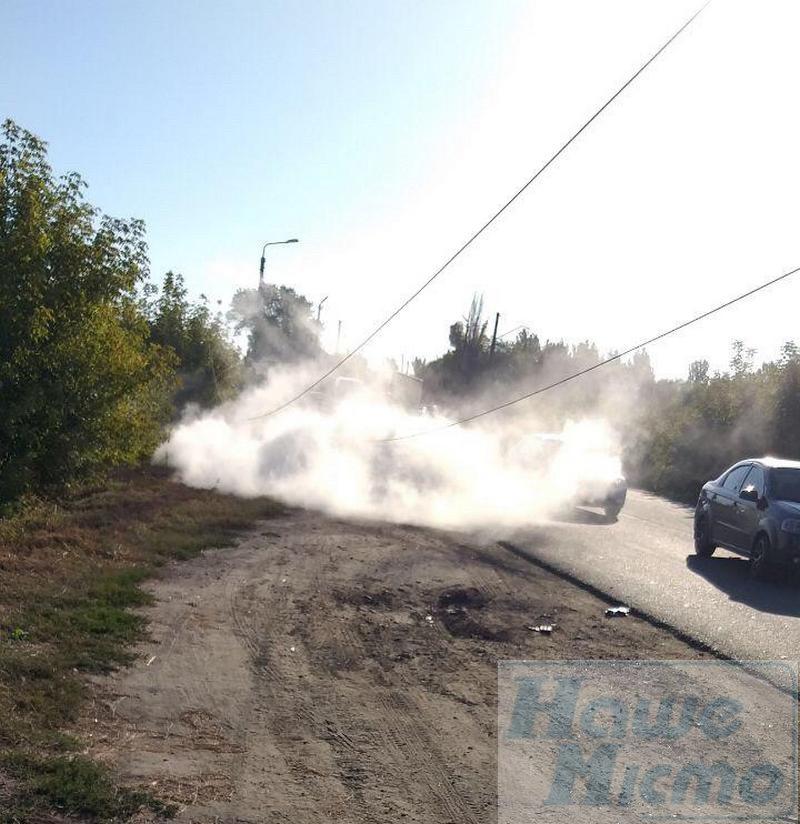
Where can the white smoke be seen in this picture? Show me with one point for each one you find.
(329, 452)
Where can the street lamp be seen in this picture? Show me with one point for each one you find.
(263, 259)
(319, 307)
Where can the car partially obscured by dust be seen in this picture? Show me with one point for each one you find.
(330, 451)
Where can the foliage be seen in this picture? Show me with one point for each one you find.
(82, 384)
(675, 434)
(74, 785)
(279, 324)
(694, 429)
(208, 362)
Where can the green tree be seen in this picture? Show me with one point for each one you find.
(786, 417)
(208, 362)
(698, 371)
(741, 359)
(279, 325)
(82, 385)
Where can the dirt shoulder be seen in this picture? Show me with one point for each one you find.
(70, 575)
(330, 670)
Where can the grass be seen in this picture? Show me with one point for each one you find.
(70, 574)
(74, 786)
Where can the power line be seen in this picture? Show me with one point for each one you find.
(483, 228)
(597, 365)
(511, 331)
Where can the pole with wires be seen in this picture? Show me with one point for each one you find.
(494, 217)
(494, 336)
(610, 359)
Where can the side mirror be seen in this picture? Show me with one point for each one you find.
(750, 493)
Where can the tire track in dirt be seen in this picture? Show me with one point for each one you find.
(324, 672)
(371, 742)
(401, 736)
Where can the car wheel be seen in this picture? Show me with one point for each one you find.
(761, 558)
(703, 547)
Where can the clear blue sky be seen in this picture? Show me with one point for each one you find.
(383, 133)
(227, 124)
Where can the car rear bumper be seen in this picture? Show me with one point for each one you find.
(613, 498)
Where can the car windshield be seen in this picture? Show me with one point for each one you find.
(785, 484)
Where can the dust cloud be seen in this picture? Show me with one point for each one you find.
(328, 452)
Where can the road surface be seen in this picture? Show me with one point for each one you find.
(646, 560)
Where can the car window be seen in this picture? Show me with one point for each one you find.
(735, 477)
(784, 484)
(755, 478)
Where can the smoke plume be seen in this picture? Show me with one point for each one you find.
(329, 452)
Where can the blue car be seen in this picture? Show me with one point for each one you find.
(752, 509)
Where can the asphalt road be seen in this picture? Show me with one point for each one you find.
(646, 560)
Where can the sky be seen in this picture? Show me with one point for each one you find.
(383, 134)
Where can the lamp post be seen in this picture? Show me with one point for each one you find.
(319, 307)
(264, 260)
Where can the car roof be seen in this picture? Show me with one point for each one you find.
(774, 463)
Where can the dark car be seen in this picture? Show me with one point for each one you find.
(608, 494)
(752, 509)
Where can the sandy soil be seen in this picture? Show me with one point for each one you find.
(326, 670)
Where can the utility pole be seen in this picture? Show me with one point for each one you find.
(319, 307)
(338, 336)
(494, 335)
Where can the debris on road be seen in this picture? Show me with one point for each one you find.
(542, 629)
(618, 612)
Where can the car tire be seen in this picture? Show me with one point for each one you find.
(703, 546)
(611, 512)
(761, 567)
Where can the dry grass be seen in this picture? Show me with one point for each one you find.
(69, 574)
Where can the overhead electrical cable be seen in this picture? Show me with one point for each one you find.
(598, 365)
(344, 359)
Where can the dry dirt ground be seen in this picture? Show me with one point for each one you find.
(327, 670)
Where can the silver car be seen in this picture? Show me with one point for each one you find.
(752, 509)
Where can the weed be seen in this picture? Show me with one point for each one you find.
(75, 786)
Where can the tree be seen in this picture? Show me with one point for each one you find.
(208, 362)
(82, 385)
(698, 371)
(741, 359)
(420, 366)
(528, 344)
(790, 353)
(641, 367)
(279, 324)
(786, 418)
